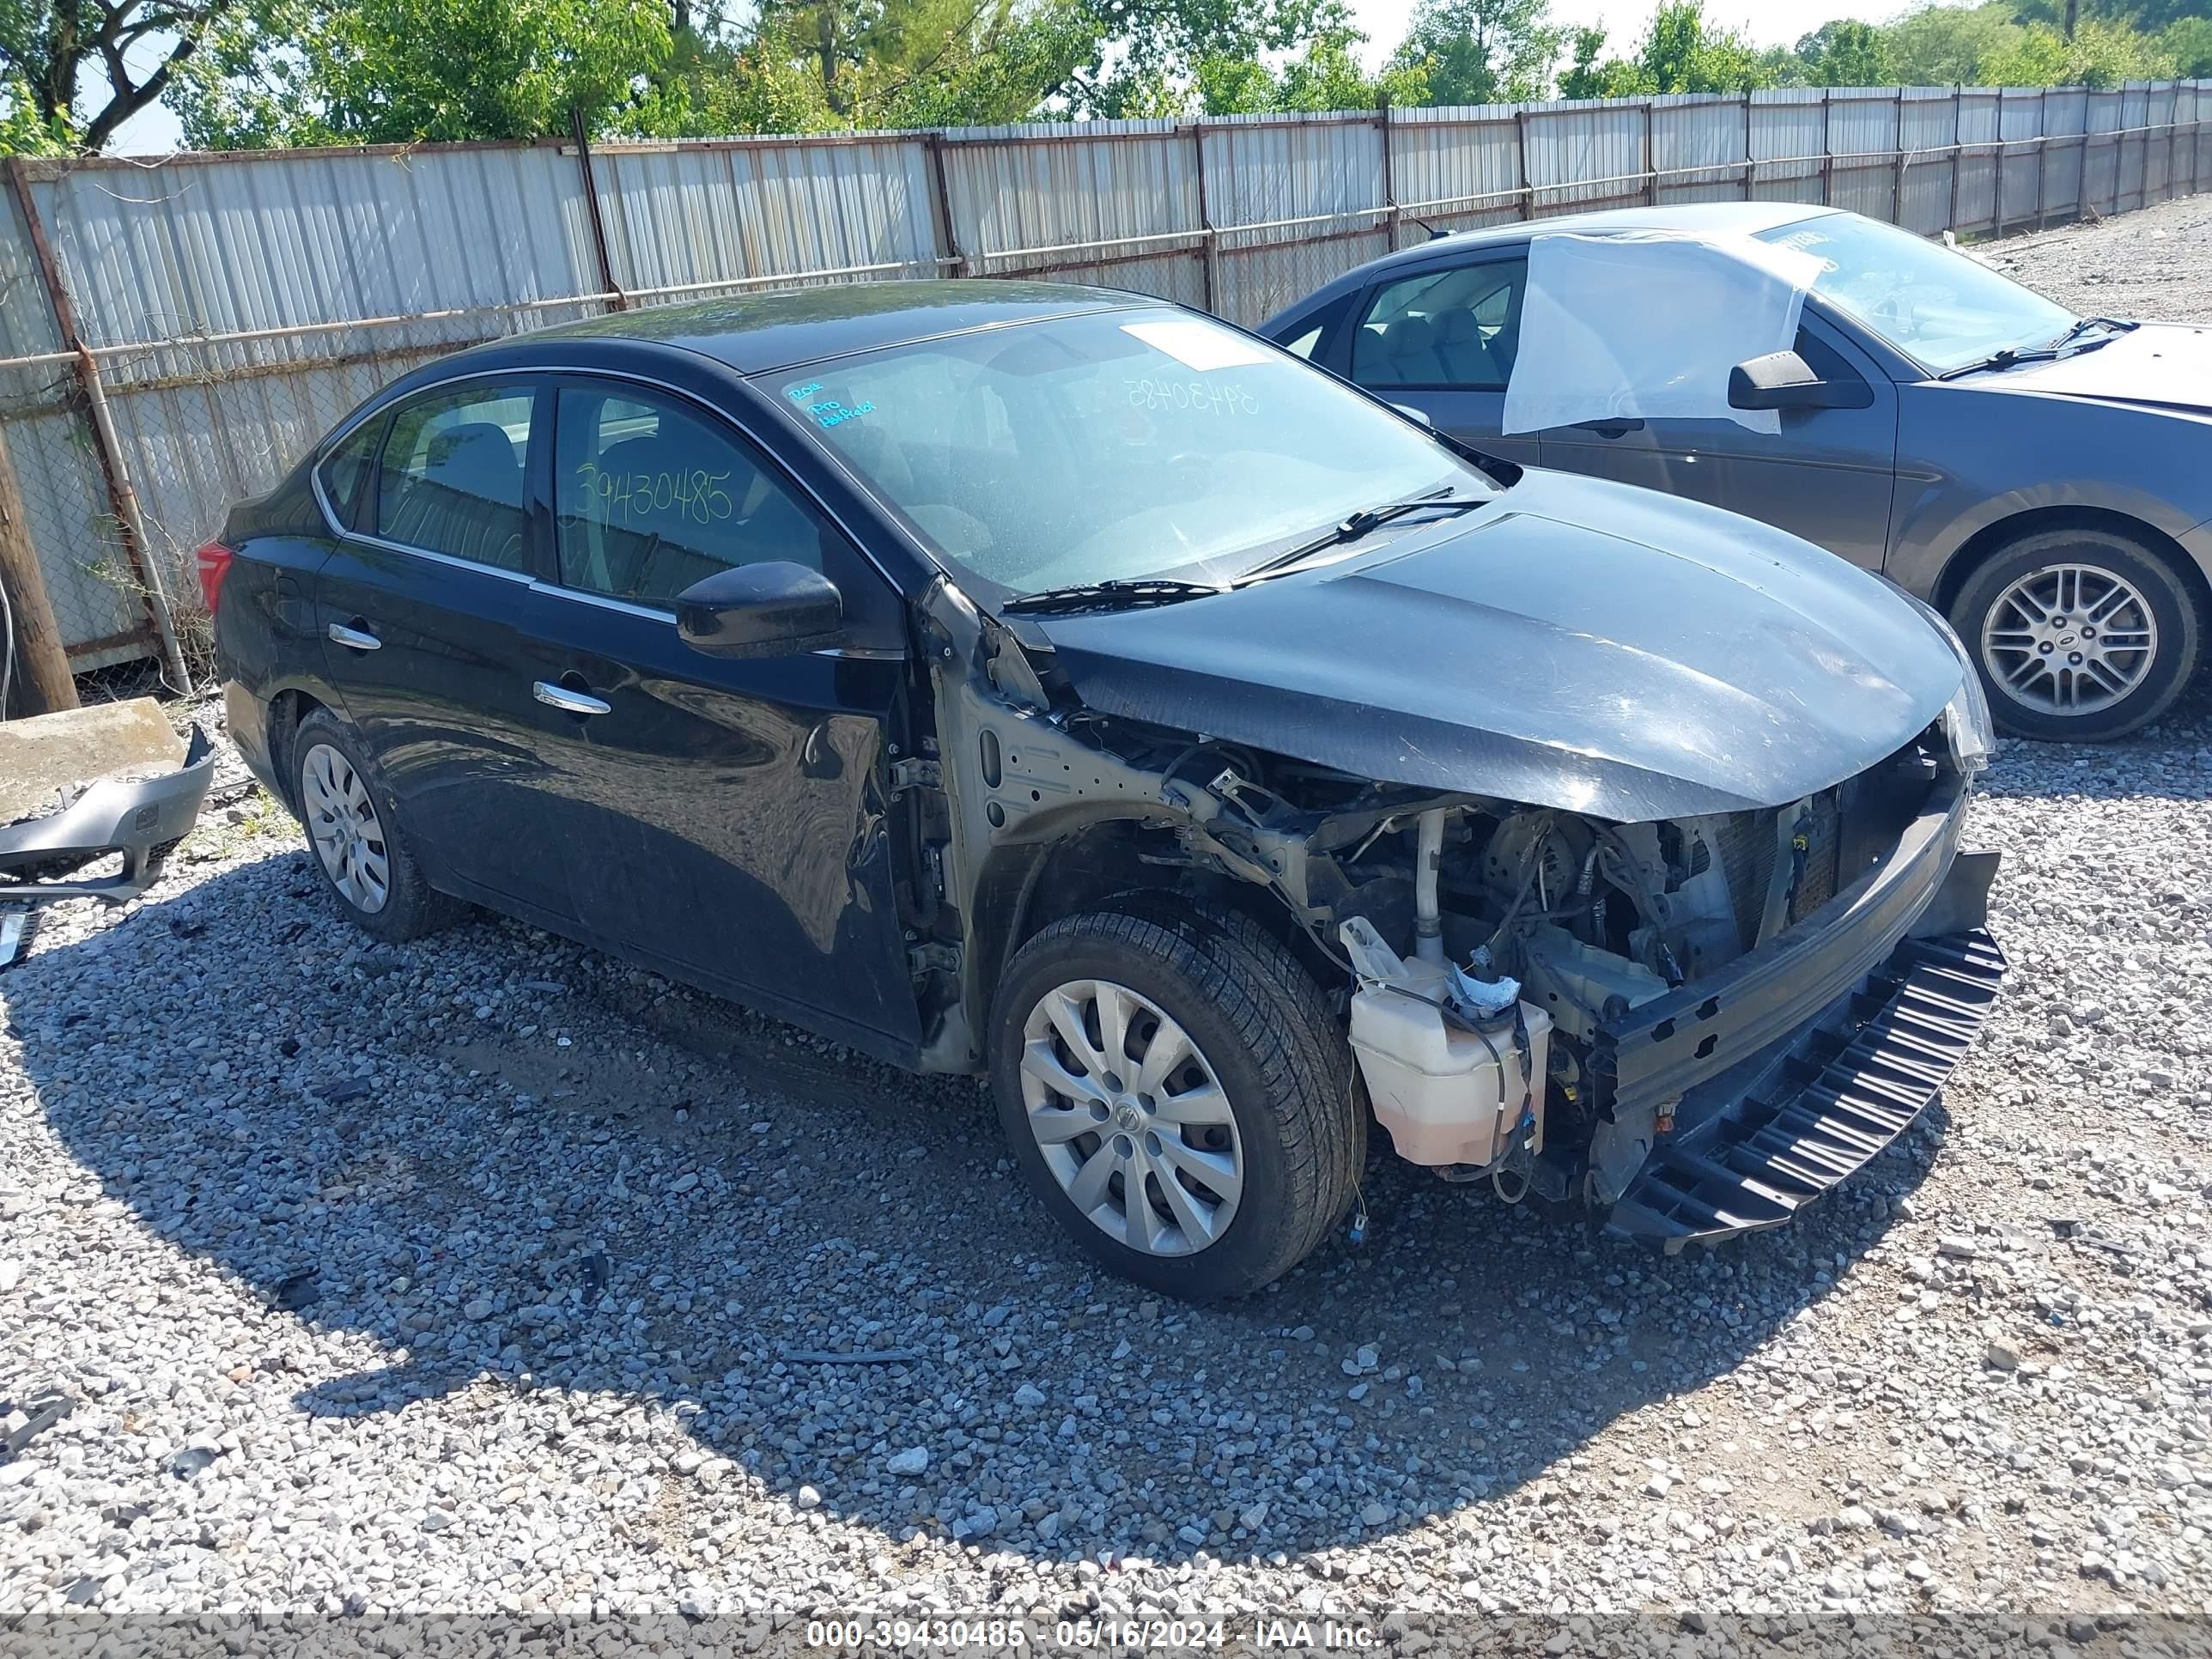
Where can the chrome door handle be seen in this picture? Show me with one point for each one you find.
(353, 639)
(568, 702)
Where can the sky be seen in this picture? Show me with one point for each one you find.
(154, 130)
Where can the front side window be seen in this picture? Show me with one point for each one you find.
(651, 496)
(1457, 329)
(451, 478)
(1110, 446)
(1937, 306)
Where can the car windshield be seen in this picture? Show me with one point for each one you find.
(1114, 446)
(1938, 307)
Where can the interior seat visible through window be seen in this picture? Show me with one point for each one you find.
(451, 474)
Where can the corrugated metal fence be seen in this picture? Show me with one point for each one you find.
(174, 333)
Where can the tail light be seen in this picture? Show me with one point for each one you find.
(213, 562)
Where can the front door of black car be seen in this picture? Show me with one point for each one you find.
(423, 613)
(726, 819)
(1442, 341)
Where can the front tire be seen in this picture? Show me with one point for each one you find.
(358, 846)
(2079, 634)
(1179, 1096)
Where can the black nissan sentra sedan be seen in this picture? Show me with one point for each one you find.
(1057, 684)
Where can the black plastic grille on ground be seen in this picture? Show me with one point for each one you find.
(1832, 1107)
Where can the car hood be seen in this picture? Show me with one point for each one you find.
(2158, 365)
(1577, 644)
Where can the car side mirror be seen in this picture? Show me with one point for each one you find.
(1419, 415)
(776, 609)
(1782, 379)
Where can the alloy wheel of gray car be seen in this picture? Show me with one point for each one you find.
(2069, 639)
(1130, 1119)
(2081, 632)
(343, 824)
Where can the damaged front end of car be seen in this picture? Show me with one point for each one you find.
(1692, 1022)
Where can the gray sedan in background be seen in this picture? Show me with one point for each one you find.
(2043, 479)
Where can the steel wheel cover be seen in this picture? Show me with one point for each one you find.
(2069, 639)
(342, 822)
(1131, 1119)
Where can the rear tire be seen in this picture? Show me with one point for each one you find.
(1257, 1130)
(2079, 634)
(354, 839)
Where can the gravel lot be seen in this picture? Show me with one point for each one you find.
(472, 1275)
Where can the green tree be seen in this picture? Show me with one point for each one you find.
(2188, 41)
(1844, 53)
(1480, 51)
(2099, 55)
(1327, 75)
(1682, 52)
(399, 71)
(916, 63)
(1941, 46)
(72, 71)
(1581, 78)
(1147, 53)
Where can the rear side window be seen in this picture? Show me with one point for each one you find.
(451, 480)
(1457, 329)
(652, 496)
(345, 469)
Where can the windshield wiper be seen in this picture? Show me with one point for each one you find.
(2010, 357)
(2083, 325)
(1351, 529)
(1122, 593)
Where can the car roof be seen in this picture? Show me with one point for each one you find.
(1699, 218)
(754, 333)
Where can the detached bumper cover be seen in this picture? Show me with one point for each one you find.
(1841, 1091)
(139, 818)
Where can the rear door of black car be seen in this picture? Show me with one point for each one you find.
(725, 820)
(423, 615)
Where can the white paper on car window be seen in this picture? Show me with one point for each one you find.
(1202, 346)
(1648, 325)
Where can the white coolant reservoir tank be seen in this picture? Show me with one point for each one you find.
(1446, 1094)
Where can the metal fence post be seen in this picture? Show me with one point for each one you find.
(948, 237)
(145, 567)
(1897, 188)
(2172, 110)
(1521, 144)
(1750, 167)
(1958, 148)
(1209, 248)
(1392, 218)
(1827, 148)
(1997, 207)
(1651, 159)
(618, 301)
(2042, 153)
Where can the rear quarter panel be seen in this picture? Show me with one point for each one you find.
(264, 640)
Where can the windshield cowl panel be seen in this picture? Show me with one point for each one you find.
(1112, 448)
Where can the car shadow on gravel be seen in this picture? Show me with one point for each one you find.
(519, 1167)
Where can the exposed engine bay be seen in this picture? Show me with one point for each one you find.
(1495, 956)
